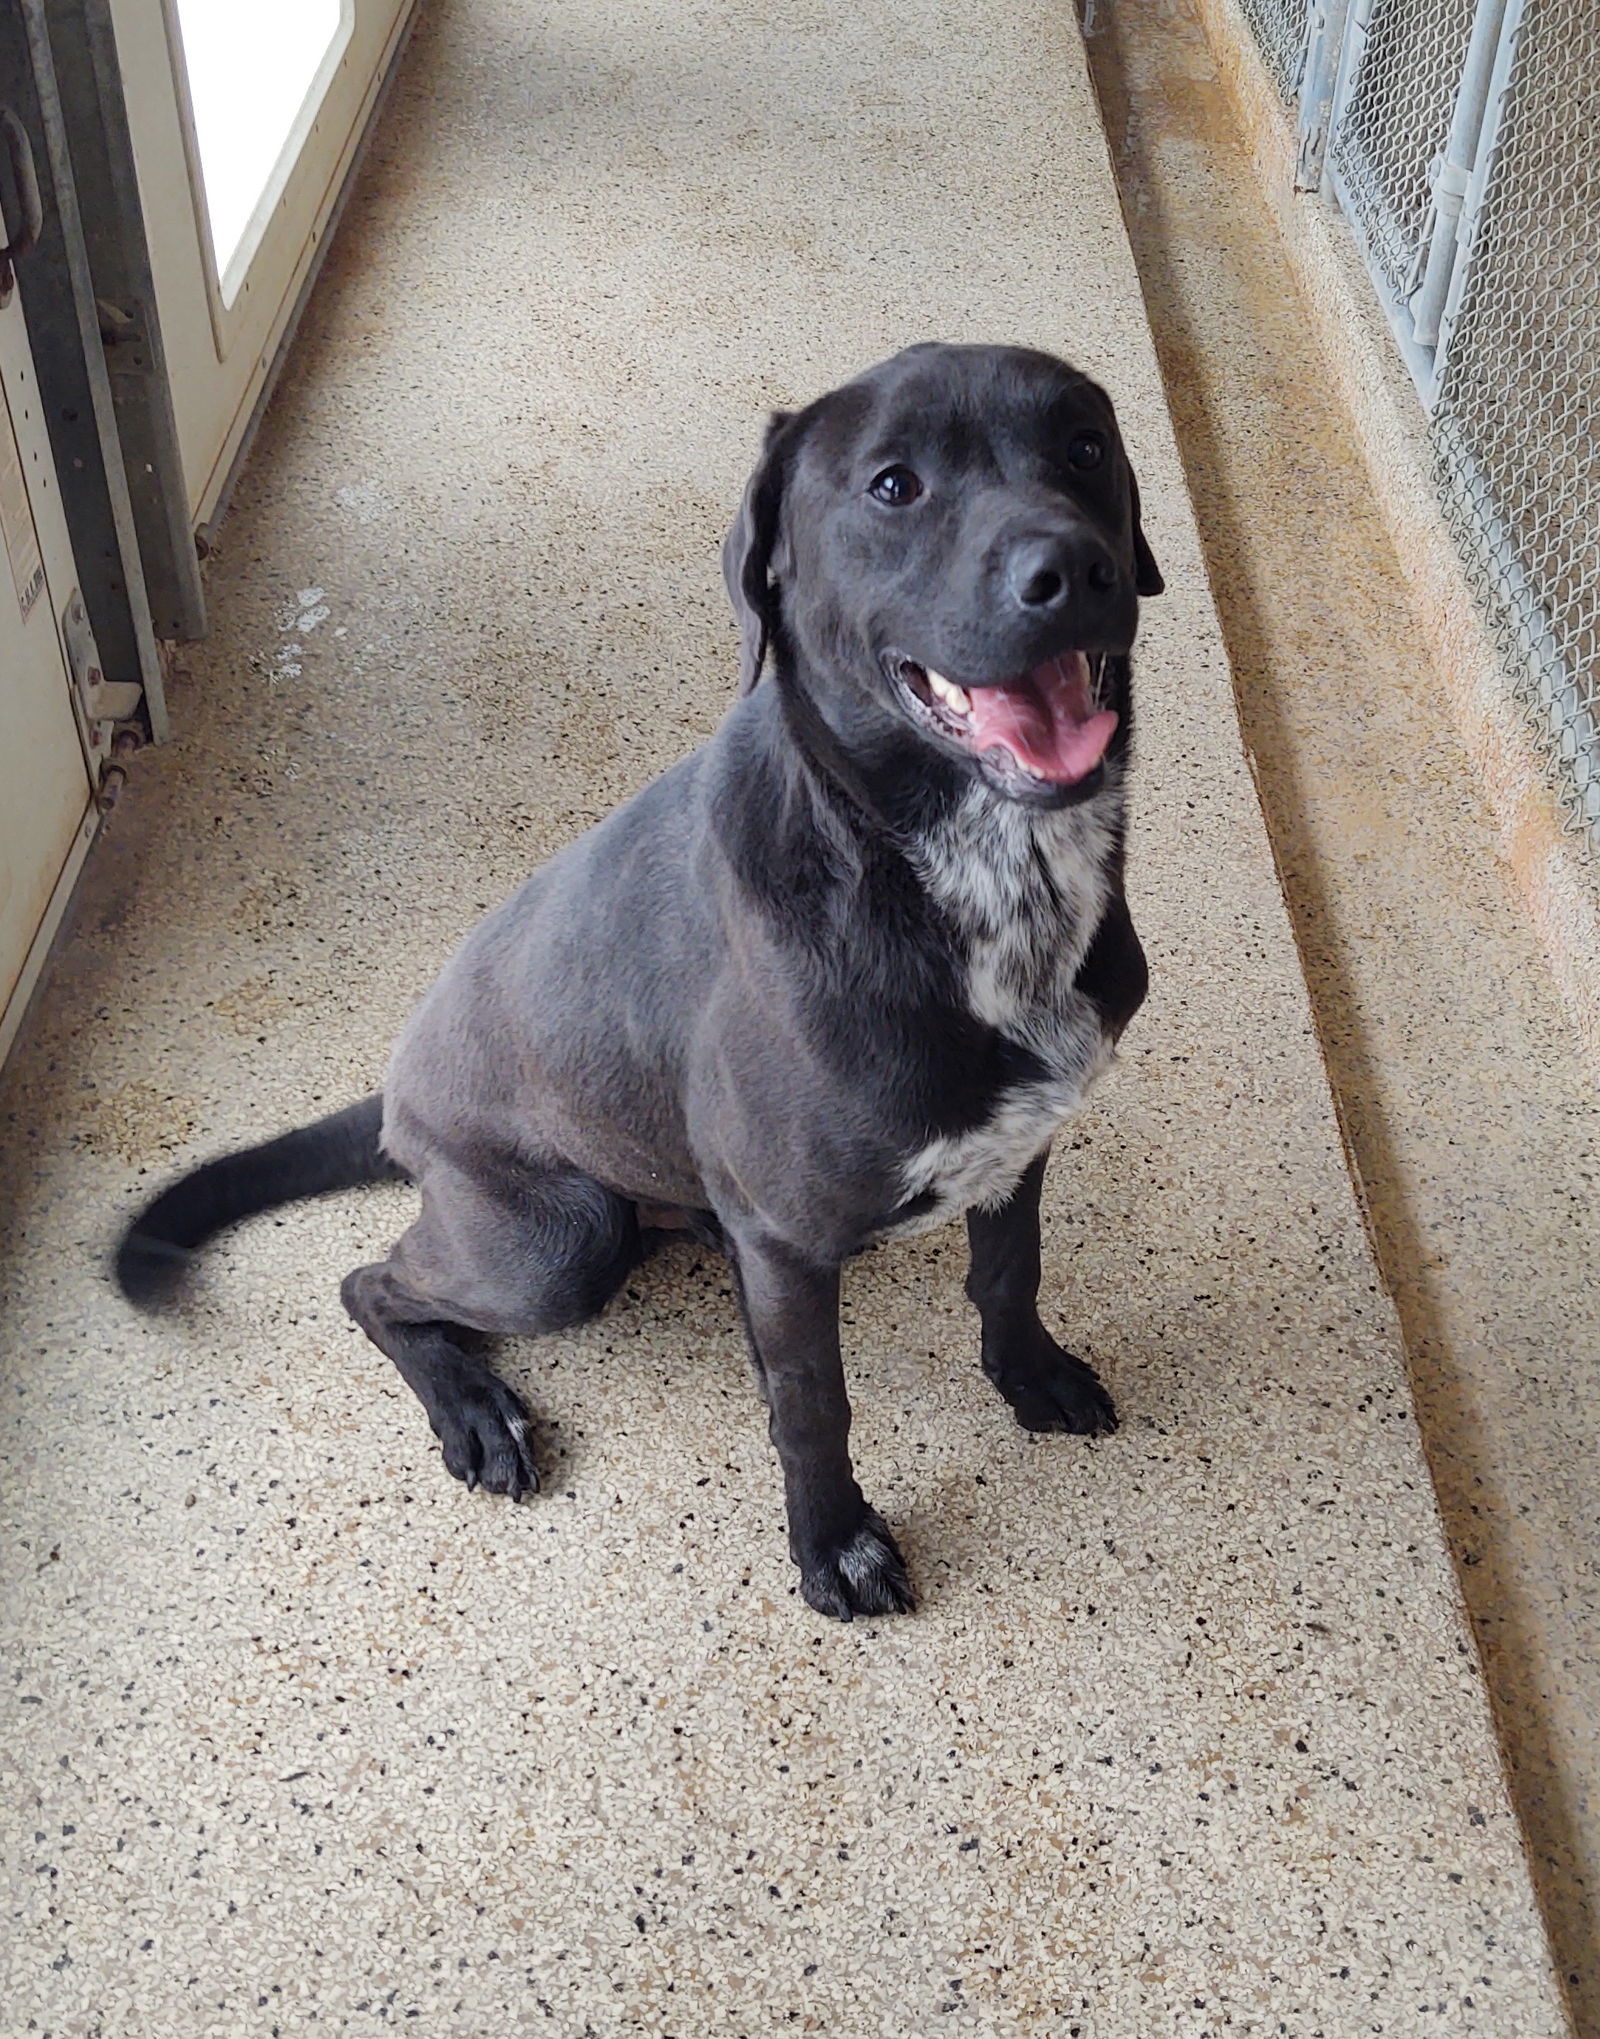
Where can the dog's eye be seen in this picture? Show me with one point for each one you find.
(896, 486)
(1085, 450)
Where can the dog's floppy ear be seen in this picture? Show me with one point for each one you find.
(1147, 578)
(749, 552)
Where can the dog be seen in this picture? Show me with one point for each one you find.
(838, 975)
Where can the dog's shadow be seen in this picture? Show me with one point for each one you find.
(667, 1362)
(664, 1369)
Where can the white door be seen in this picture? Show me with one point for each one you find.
(244, 121)
(47, 814)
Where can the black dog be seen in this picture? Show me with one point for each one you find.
(839, 974)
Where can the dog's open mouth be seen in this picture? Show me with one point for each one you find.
(1046, 724)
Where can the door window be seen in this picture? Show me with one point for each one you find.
(256, 76)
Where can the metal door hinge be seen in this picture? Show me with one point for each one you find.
(101, 703)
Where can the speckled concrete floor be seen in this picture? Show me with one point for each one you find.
(1189, 1737)
(1469, 1107)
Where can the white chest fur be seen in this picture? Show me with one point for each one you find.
(1025, 891)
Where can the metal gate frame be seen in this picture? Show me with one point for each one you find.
(1372, 86)
(1424, 310)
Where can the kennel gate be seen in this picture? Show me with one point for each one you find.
(1461, 139)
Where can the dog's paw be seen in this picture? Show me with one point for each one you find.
(487, 1437)
(864, 1575)
(1049, 1389)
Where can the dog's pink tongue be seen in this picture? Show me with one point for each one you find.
(1047, 721)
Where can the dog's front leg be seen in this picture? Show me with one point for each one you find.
(848, 1560)
(1049, 1389)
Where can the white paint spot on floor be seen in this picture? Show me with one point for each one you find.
(363, 502)
(297, 620)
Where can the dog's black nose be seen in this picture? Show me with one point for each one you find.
(1042, 571)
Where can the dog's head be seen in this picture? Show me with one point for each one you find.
(949, 548)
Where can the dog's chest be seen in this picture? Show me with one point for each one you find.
(1025, 893)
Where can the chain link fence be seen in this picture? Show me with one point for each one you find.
(1279, 27)
(1462, 138)
(1394, 124)
(1517, 426)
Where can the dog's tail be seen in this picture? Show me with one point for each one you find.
(338, 1152)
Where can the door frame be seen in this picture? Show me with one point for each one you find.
(126, 533)
(224, 355)
(92, 298)
(58, 289)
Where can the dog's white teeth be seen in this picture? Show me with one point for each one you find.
(953, 697)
